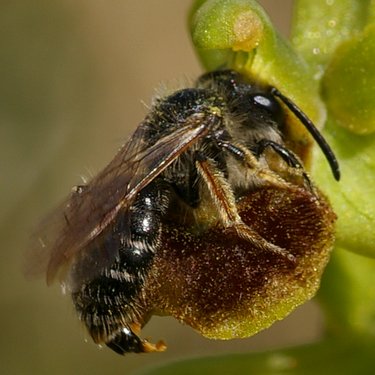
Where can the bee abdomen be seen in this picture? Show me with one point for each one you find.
(109, 303)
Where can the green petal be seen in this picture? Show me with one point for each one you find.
(319, 26)
(349, 83)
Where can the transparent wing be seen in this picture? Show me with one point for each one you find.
(87, 213)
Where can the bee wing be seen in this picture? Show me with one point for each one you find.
(89, 211)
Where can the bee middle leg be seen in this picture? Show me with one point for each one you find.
(224, 200)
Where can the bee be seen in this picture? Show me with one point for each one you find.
(198, 155)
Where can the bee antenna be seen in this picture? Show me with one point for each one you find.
(324, 146)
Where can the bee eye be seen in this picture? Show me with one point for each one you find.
(269, 105)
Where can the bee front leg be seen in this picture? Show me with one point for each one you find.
(288, 156)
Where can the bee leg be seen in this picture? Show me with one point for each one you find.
(246, 157)
(126, 341)
(224, 200)
(185, 187)
(288, 156)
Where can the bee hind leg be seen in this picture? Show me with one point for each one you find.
(126, 341)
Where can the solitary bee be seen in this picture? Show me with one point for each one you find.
(185, 183)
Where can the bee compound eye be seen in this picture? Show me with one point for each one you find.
(268, 104)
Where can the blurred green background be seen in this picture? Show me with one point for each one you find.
(73, 75)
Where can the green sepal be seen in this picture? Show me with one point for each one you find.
(353, 197)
